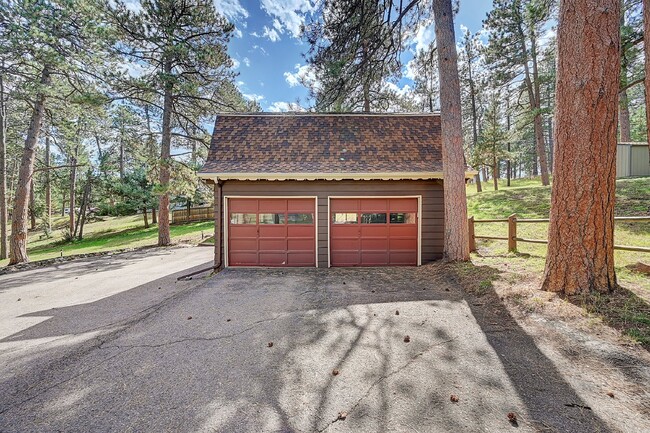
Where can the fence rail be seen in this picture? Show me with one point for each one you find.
(195, 214)
(512, 238)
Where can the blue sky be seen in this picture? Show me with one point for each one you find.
(268, 51)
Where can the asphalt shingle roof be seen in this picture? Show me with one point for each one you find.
(325, 143)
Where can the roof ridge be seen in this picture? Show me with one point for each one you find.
(323, 114)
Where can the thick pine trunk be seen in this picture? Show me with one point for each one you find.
(164, 237)
(154, 219)
(495, 173)
(18, 253)
(3, 173)
(456, 241)
(580, 255)
(144, 216)
(646, 47)
(32, 206)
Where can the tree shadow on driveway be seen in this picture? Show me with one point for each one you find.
(202, 361)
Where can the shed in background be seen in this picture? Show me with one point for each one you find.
(632, 160)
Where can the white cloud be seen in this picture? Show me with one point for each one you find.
(424, 35)
(134, 69)
(240, 83)
(253, 97)
(392, 87)
(289, 14)
(247, 61)
(272, 34)
(231, 9)
(303, 75)
(280, 106)
(235, 63)
(261, 49)
(238, 33)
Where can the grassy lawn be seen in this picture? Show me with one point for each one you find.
(627, 309)
(106, 234)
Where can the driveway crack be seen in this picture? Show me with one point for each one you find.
(384, 377)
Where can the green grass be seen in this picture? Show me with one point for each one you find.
(529, 199)
(107, 234)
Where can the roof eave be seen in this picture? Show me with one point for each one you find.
(329, 176)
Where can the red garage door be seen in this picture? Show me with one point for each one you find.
(374, 231)
(271, 232)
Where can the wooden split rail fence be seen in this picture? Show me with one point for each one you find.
(512, 238)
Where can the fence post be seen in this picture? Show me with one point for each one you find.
(472, 240)
(512, 232)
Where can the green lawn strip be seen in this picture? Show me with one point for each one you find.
(114, 234)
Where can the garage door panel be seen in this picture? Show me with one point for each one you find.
(269, 239)
(374, 230)
(343, 244)
(300, 259)
(380, 244)
(269, 244)
(343, 205)
(373, 205)
(403, 205)
(241, 258)
(401, 230)
(343, 258)
(403, 257)
(272, 231)
(243, 205)
(403, 244)
(374, 258)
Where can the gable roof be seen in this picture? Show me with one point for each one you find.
(325, 146)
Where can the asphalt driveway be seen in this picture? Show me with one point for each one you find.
(195, 356)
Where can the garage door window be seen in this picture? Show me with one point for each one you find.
(271, 218)
(243, 218)
(300, 218)
(373, 218)
(344, 218)
(402, 218)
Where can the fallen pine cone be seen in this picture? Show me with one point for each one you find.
(611, 394)
(454, 398)
(189, 318)
(342, 416)
(397, 312)
(270, 344)
(407, 339)
(512, 417)
(335, 372)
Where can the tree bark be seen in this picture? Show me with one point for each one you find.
(646, 47)
(624, 118)
(3, 173)
(472, 94)
(456, 241)
(580, 255)
(551, 145)
(144, 216)
(48, 185)
(164, 237)
(32, 206)
(18, 253)
(71, 198)
(495, 173)
(83, 208)
(154, 219)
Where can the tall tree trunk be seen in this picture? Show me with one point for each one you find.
(551, 145)
(472, 94)
(532, 86)
(32, 206)
(164, 237)
(154, 219)
(625, 130)
(48, 185)
(121, 159)
(646, 47)
(580, 255)
(84, 207)
(18, 253)
(144, 216)
(71, 198)
(495, 172)
(3, 172)
(508, 169)
(456, 241)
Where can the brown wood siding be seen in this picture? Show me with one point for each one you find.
(432, 204)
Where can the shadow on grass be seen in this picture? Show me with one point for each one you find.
(622, 310)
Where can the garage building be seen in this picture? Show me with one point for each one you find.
(323, 190)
